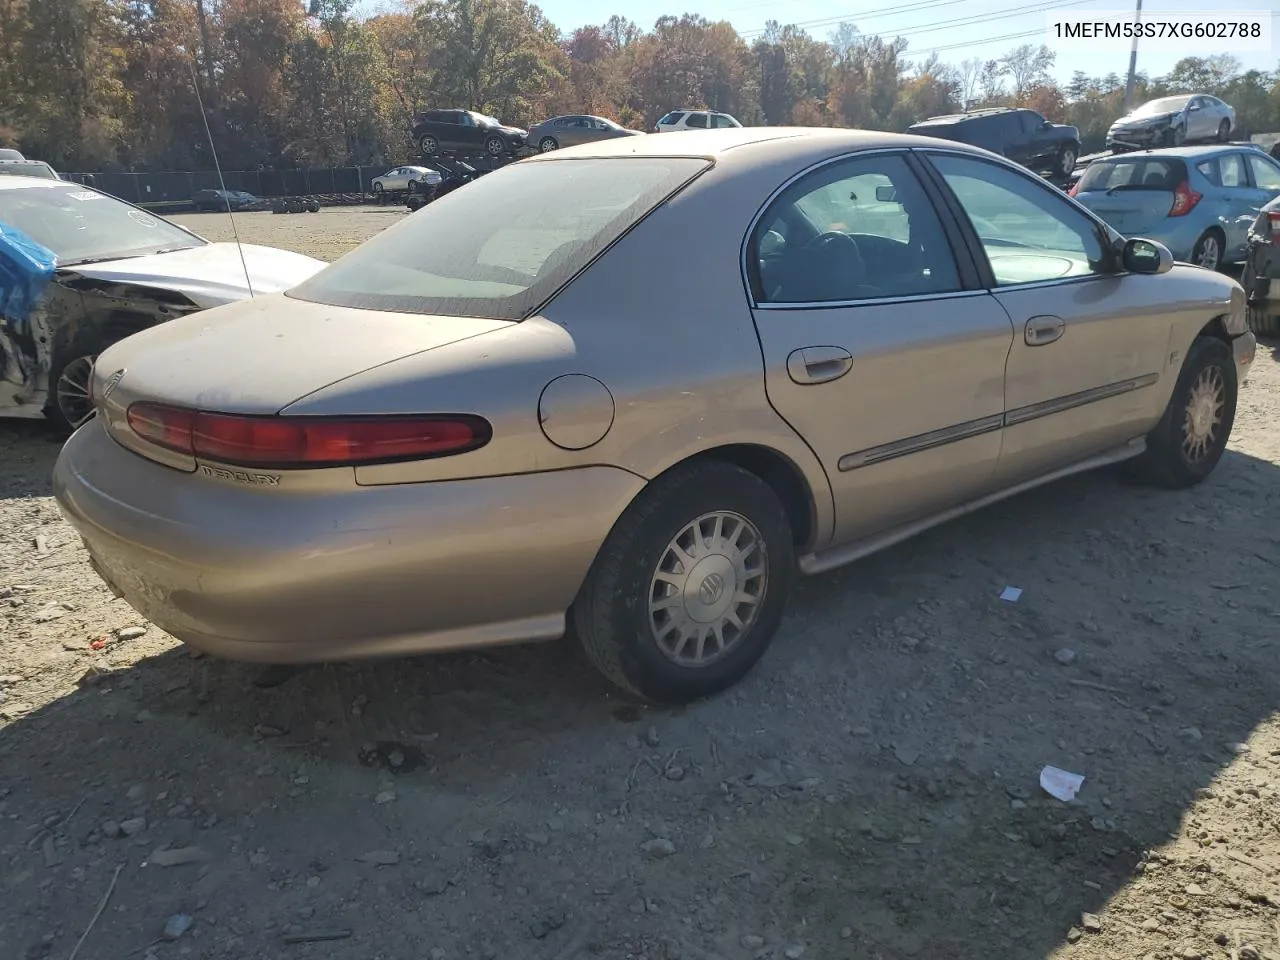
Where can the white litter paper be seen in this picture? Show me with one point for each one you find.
(1060, 784)
(1011, 594)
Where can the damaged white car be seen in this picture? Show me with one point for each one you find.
(80, 270)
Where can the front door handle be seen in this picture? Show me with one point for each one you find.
(818, 364)
(1042, 330)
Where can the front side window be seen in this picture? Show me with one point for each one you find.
(859, 229)
(1266, 173)
(723, 122)
(79, 224)
(1029, 233)
(514, 237)
(671, 119)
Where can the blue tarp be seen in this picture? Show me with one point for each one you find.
(26, 268)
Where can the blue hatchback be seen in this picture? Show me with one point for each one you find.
(1197, 201)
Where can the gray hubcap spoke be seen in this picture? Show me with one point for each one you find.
(73, 391)
(1205, 407)
(707, 589)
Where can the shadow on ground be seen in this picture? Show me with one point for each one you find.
(870, 791)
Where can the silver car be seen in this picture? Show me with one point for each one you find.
(489, 422)
(574, 131)
(403, 178)
(1170, 121)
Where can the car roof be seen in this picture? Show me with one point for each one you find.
(14, 183)
(1196, 152)
(747, 145)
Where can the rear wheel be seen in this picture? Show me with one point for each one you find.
(1207, 252)
(1066, 161)
(1262, 321)
(429, 145)
(1190, 438)
(690, 586)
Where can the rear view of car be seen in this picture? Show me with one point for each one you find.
(1261, 275)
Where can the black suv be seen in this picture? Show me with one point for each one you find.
(1024, 136)
(465, 131)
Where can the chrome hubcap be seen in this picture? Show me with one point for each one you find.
(708, 587)
(547, 144)
(1209, 253)
(73, 391)
(1204, 414)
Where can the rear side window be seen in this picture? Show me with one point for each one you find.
(1136, 173)
(672, 118)
(698, 120)
(515, 236)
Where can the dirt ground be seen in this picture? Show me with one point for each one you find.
(870, 792)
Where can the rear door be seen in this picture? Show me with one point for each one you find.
(879, 348)
(1090, 342)
(1134, 193)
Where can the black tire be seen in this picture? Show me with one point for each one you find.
(1224, 130)
(495, 146)
(429, 145)
(1209, 250)
(313, 207)
(547, 144)
(1166, 462)
(378, 190)
(1262, 321)
(611, 615)
(69, 361)
(1172, 136)
(1066, 162)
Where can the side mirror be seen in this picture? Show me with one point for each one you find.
(886, 194)
(1194, 106)
(1146, 256)
(1046, 125)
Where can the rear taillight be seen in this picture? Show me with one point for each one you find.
(1075, 188)
(1273, 217)
(287, 442)
(1184, 199)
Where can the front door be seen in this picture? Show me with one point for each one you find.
(1089, 341)
(878, 350)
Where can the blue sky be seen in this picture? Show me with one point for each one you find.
(928, 24)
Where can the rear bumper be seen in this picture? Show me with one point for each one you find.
(335, 575)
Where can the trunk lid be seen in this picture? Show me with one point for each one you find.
(259, 356)
(1130, 211)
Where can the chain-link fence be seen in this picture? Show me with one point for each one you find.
(180, 187)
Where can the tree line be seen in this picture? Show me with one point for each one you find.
(130, 84)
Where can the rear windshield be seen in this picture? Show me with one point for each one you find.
(501, 246)
(1141, 172)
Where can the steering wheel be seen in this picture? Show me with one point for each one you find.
(834, 238)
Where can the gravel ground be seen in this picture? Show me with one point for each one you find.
(870, 791)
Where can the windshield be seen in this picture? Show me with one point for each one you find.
(486, 120)
(501, 247)
(1163, 105)
(1137, 172)
(80, 224)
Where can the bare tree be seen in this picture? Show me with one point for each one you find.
(968, 80)
(1028, 67)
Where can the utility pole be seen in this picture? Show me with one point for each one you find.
(1133, 60)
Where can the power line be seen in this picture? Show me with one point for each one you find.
(966, 21)
(869, 14)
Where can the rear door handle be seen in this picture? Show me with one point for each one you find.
(1042, 330)
(818, 364)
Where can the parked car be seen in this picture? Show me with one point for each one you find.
(488, 420)
(1261, 275)
(406, 178)
(223, 201)
(465, 131)
(1171, 121)
(570, 131)
(1198, 201)
(1022, 135)
(694, 120)
(27, 168)
(80, 270)
(7, 153)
